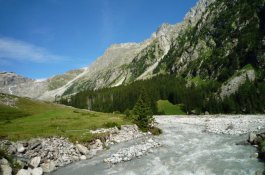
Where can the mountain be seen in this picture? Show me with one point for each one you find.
(14, 84)
(220, 40)
(11, 83)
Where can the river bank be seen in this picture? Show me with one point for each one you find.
(44, 155)
(211, 144)
(187, 147)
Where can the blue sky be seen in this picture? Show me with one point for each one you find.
(42, 38)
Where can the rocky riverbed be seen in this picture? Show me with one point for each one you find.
(44, 155)
(220, 124)
(204, 145)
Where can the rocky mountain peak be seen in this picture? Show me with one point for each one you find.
(11, 78)
(163, 30)
(197, 11)
(122, 45)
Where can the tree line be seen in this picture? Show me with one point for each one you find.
(195, 98)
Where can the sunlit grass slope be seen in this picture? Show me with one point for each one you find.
(167, 108)
(29, 118)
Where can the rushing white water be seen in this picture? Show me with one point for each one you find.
(186, 150)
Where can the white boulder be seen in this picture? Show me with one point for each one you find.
(36, 171)
(35, 162)
(48, 167)
(23, 172)
(3, 161)
(20, 148)
(83, 157)
(82, 149)
(6, 169)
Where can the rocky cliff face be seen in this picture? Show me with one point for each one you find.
(218, 39)
(215, 41)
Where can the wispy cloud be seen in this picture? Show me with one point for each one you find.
(11, 49)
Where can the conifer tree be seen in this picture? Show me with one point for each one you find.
(143, 113)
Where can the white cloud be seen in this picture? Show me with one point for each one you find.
(11, 49)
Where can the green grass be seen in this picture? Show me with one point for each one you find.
(9, 113)
(248, 67)
(31, 119)
(197, 81)
(164, 106)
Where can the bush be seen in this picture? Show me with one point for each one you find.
(112, 125)
(13, 163)
(155, 131)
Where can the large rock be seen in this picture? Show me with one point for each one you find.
(82, 149)
(48, 167)
(23, 172)
(20, 148)
(35, 144)
(252, 137)
(36, 171)
(3, 161)
(12, 149)
(98, 145)
(6, 169)
(259, 172)
(83, 157)
(35, 162)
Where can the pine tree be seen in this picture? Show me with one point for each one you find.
(143, 113)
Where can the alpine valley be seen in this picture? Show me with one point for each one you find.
(188, 100)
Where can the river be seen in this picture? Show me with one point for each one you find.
(186, 150)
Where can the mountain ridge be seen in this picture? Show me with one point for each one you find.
(189, 48)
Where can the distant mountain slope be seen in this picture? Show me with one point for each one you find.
(11, 83)
(14, 84)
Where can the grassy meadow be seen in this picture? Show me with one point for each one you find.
(167, 108)
(30, 119)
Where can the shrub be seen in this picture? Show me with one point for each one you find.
(155, 131)
(13, 163)
(112, 125)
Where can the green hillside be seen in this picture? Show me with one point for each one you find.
(167, 108)
(28, 119)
